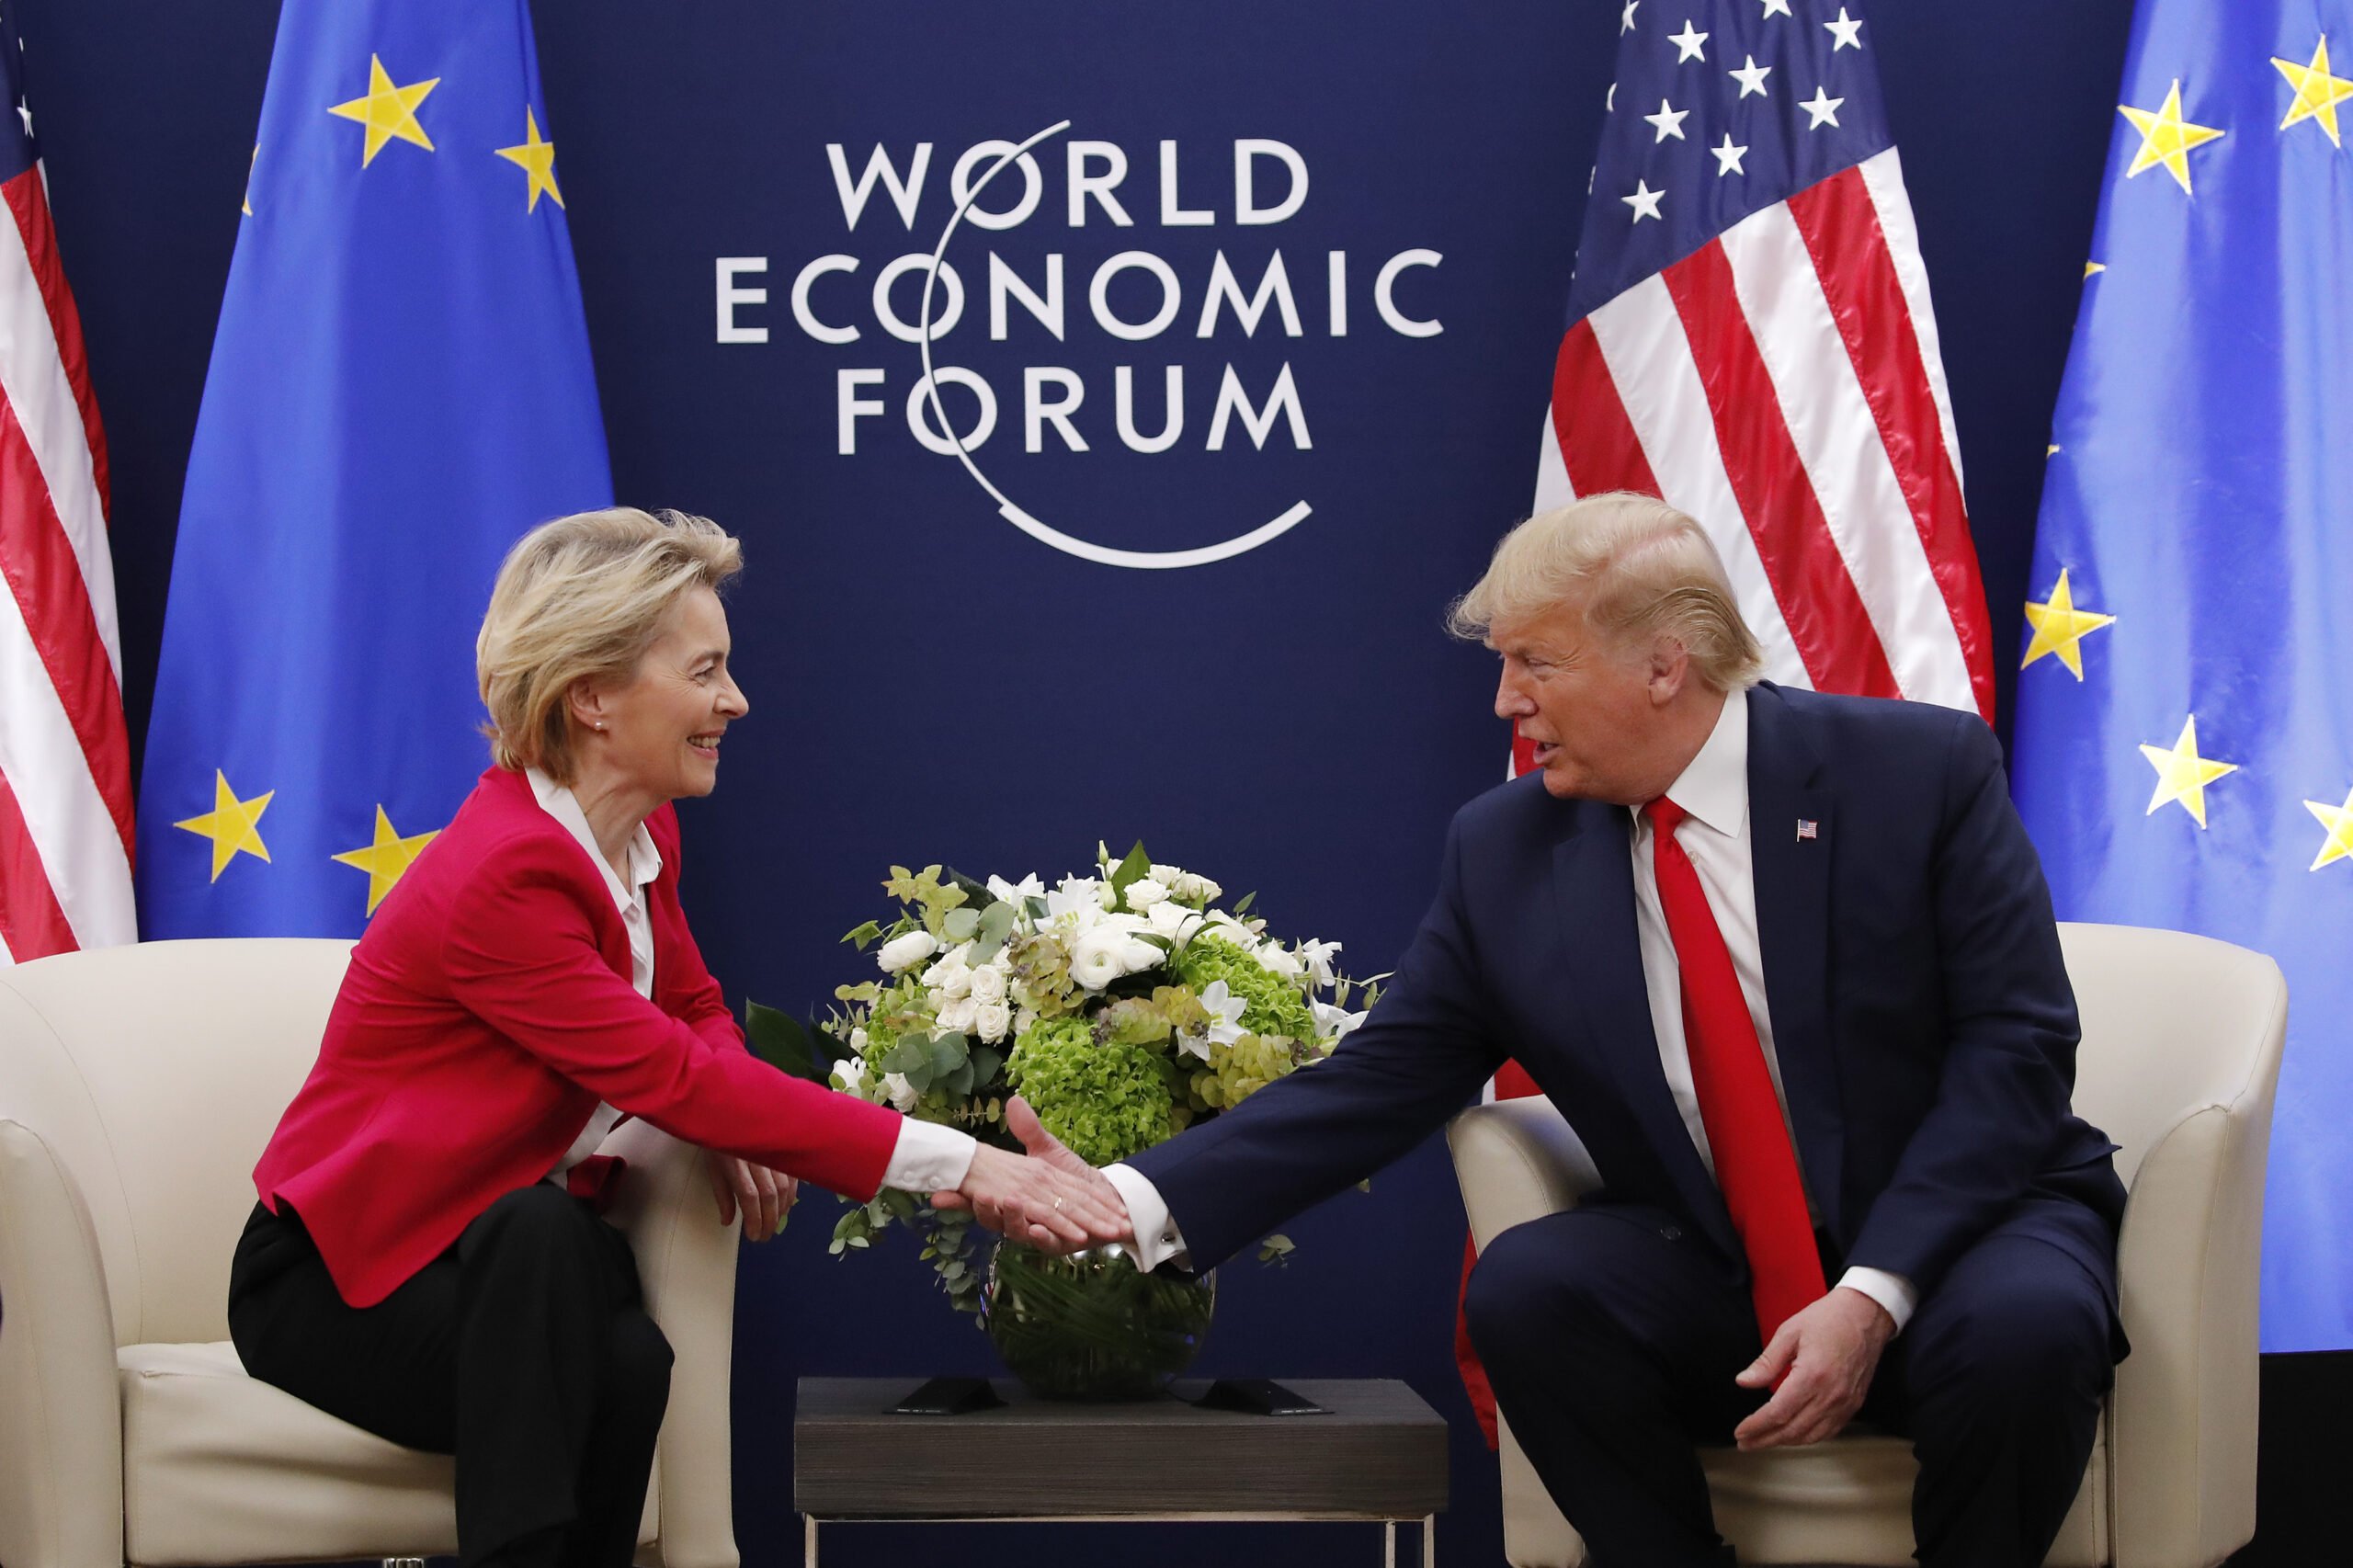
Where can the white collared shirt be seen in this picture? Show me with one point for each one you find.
(926, 1157)
(1714, 791)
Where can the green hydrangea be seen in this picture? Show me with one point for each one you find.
(1107, 1101)
(1276, 1007)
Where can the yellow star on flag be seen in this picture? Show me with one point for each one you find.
(387, 111)
(2060, 628)
(2338, 820)
(387, 858)
(2182, 774)
(2166, 137)
(231, 824)
(2317, 92)
(537, 159)
(2093, 269)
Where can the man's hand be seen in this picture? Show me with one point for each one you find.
(1829, 1353)
(765, 1196)
(1050, 1199)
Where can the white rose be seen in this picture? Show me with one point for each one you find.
(1194, 888)
(987, 985)
(850, 1076)
(1165, 875)
(905, 952)
(902, 1094)
(1144, 893)
(1172, 920)
(858, 1042)
(990, 1020)
(952, 977)
(1097, 959)
(1022, 1018)
(958, 1016)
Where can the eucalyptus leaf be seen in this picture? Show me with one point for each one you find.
(995, 925)
(958, 924)
(986, 1060)
(907, 1056)
(1243, 907)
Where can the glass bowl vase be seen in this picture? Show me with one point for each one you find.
(1092, 1326)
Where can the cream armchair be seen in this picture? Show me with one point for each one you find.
(137, 1087)
(2181, 1053)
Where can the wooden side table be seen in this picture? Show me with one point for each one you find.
(1378, 1457)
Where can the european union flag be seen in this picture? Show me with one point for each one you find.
(400, 387)
(2185, 717)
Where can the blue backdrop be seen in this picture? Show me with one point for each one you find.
(929, 681)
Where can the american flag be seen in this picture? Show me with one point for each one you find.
(65, 821)
(1750, 339)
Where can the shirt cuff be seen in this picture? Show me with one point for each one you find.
(1157, 1240)
(1892, 1292)
(928, 1157)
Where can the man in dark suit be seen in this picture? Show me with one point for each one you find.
(1787, 963)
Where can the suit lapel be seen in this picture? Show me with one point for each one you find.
(1593, 881)
(1792, 835)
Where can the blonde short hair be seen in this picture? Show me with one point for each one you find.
(581, 598)
(1645, 569)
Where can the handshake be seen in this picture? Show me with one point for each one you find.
(1048, 1198)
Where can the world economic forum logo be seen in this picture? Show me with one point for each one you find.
(1132, 296)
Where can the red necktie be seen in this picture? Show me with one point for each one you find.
(1755, 1165)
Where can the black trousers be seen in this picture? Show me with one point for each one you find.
(1611, 1337)
(524, 1351)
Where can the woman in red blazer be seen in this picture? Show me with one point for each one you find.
(425, 1260)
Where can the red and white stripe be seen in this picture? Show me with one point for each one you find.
(65, 820)
(1782, 384)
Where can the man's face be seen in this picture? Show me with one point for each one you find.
(1592, 710)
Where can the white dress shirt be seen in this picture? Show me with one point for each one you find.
(1714, 791)
(926, 1158)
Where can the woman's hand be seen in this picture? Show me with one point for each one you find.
(1055, 1204)
(765, 1196)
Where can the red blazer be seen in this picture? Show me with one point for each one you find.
(486, 1012)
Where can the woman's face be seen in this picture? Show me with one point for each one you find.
(662, 728)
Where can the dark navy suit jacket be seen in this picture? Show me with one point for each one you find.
(1920, 1009)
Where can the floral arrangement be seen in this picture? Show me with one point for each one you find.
(1124, 1006)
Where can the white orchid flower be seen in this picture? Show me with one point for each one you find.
(1335, 1024)
(1078, 900)
(1317, 957)
(850, 1076)
(1276, 959)
(1226, 1010)
(1016, 893)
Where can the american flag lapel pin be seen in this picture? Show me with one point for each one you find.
(1807, 829)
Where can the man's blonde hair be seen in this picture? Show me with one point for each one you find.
(582, 598)
(1645, 568)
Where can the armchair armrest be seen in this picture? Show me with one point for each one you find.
(60, 1412)
(686, 1261)
(1518, 1160)
(2183, 1435)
